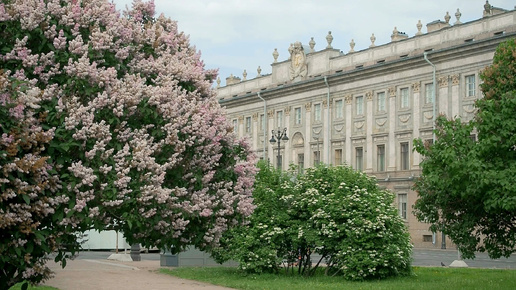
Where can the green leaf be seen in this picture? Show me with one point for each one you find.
(26, 198)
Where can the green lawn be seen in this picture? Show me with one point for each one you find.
(423, 278)
(18, 287)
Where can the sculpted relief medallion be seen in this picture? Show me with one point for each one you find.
(298, 67)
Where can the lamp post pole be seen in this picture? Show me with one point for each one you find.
(278, 136)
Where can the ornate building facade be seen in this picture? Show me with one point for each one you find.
(365, 108)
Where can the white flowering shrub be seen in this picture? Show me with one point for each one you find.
(131, 135)
(335, 212)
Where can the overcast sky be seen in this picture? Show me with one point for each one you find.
(234, 35)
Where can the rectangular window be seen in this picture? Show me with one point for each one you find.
(359, 158)
(404, 98)
(248, 124)
(339, 109)
(380, 101)
(235, 126)
(279, 119)
(429, 96)
(317, 112)
(262, 122)
(317, 157)
(470, 86)
(359, 105)
(297, 116)
(402, 205)
(380, 157)
(300, 162)
(338, 157)
(404, 156)
(427, 238)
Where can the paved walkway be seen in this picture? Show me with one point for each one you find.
(82, 274)
(92, 270)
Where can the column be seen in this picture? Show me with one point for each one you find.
(287, 145)
(308, 135)
(455, 96)
(390, 147)
(416, 120)
(270, 151)
(369, 133)
(442, 97)
(349, 117)
(240, 126)
(255, 134)
(326, 134)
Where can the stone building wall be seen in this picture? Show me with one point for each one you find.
(365, 108)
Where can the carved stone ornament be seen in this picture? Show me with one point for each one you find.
(324, 103)
(308, 107)
(255, 116)
(349, 99)
(241, 119)
(369, 96)
(298, 66)
(380, 122)
(329, 39)
(275, 55)
(443, 82)
(458, 15)
(359, 124)
(404, 118)
(287, 111)
(311, 43)
(270, 114)
(419, 25)
(416, 87)
(455, 80)
(392, 91)
(373, 39)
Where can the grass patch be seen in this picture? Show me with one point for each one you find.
(19, 285)
(423, 278)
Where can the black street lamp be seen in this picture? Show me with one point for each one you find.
(280, 136)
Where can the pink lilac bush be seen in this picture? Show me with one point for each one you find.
(136, 139)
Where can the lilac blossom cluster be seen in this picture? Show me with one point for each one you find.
(134, 131)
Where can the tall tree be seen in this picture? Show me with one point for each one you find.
(134, 138)
(467, 187)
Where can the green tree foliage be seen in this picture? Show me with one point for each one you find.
(467, 187)
(335, 212)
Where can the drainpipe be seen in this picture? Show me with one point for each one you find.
(443, 238)
(265, 129)
(328, 119)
